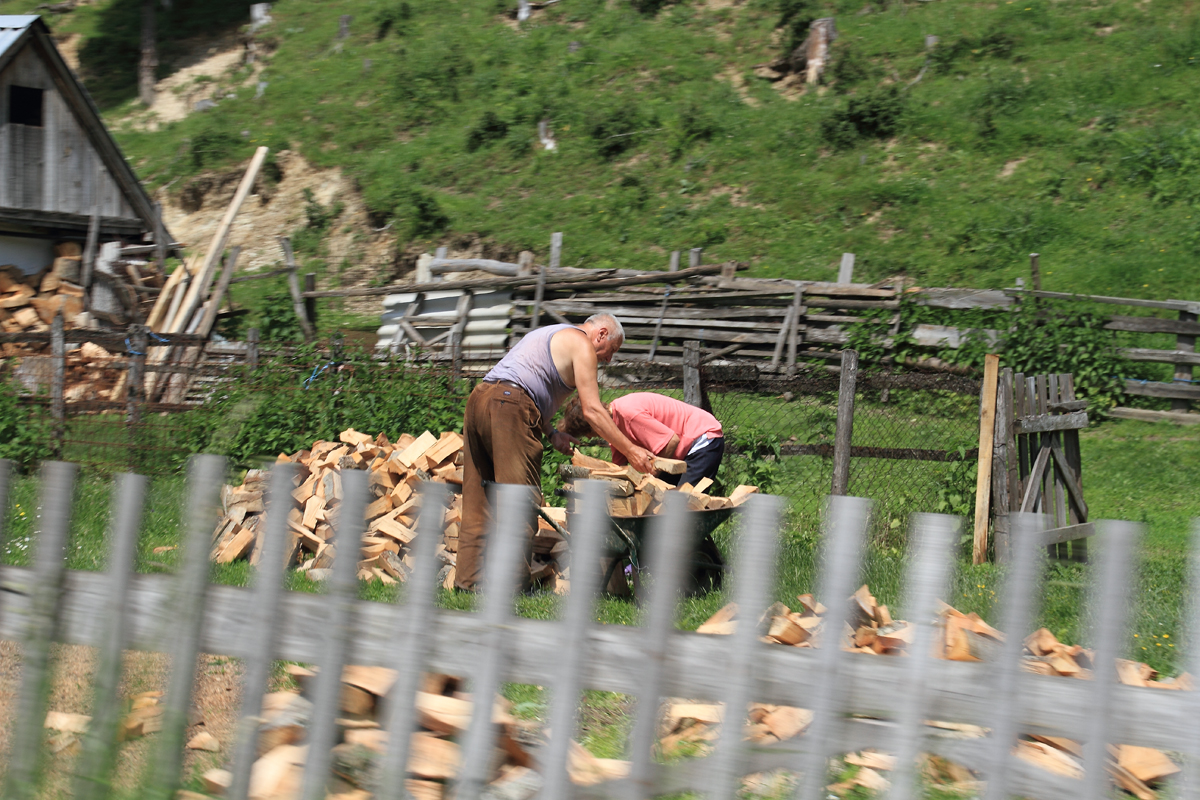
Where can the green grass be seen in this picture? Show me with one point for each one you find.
(657, 152)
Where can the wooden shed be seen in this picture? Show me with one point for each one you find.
(59, 166)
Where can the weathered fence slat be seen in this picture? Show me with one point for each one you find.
(414, 640)
(844, 433)
(933, 536)
(1110, 596)
(669, 537)
(268, 591)
(337, 635)
(6, 470)
(512, 510)
(99, 745)
(1190, 790)
(206, 474)
(587, 540)
(49, 565)
(1016, 612)
(845, 526)
(754, 583)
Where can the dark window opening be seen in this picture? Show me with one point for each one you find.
(25, 106)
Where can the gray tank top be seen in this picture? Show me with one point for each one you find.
(530, 366)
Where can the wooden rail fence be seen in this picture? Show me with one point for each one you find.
(856, 701)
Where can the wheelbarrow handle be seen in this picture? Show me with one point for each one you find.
(566, 534)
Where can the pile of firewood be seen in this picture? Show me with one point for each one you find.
(395, 471)
(634, 494)
(960, 637)
(443, 713)
(29, 302)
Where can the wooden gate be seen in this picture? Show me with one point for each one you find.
(1036, 463)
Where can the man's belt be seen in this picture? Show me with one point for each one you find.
(509, 383)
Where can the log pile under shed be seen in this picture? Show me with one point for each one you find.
(396, 469)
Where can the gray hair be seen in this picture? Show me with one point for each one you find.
(617, 330)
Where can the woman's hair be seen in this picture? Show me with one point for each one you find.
(573, 422)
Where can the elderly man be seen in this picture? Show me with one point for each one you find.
(512, 408)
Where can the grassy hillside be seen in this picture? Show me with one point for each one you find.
(1061, 127)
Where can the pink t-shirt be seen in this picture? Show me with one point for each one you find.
(651, 419)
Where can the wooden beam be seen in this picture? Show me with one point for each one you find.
(294, 289)
(1183, 391)
(1033, 485)
(844, 431)
(987, 430)
(1044, 423)
(1173, 305)
(1146, 415)
(1068, 533)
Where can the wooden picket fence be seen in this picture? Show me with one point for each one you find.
(857, 701)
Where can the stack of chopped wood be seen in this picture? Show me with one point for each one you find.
(395, 470)
(90, 374)
(29, 302)
(635, 494)
(443, 713)
(966, 637)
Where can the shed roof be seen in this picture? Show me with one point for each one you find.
(18, 30)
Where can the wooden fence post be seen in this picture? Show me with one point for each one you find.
(58, 356)
(1035, 272)
(691, 373)
(139, 340)
(845, 423)
(310, 303)
(293, 279)
(1184, 372)
(846, 269)
(794, 330)
(252, 348)
(1002, 452)
(694, 256)
(540, 291)
(987, 432)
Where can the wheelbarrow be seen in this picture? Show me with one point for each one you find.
(628, 540)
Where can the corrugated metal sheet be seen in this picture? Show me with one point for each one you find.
(487, 322)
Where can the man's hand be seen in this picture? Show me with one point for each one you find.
(563, 442)
(640, 459)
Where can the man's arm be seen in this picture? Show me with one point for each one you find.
(583, 359)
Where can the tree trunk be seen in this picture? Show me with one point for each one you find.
(148, 68)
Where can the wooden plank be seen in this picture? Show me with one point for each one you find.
(987, 432)
(1152, 325)
(1147, 415)
(754, 581)
(794, 336)
(588, 537)
(669, 542)
(1041, 408)
(513, 506)
(1181, 391)
(580, 308)
(784, 328)
(1016, 613)
(1110, 595)
(936, 536)
(94, 771)
(413, 641)
(205, 479)
(1068, 533)
(1179, 356)
(845, 423)
(336, 635)
(843, 538)
(1044, 423)
(1185, 344)
(1172, 305)
(268, 592)
(1034, 481)
(25, 754)
(1070, 481)
(846, 269)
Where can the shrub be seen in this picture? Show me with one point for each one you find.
(389, 18)
(490, 128)
(615, 130)
(425, 215)
(848, 66)
(795, 17)
(876, 115)
(213, 146)
(1166, 161)
(25, 434)
(996, 43)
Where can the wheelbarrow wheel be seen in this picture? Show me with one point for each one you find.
(708, 567)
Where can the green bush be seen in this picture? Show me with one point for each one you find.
(424, 214)
(25, 430)
(1166, 162)
(850, 67)
(213, 146)
(616, 129)
(390, 17)
(878, 114)
(490, 128)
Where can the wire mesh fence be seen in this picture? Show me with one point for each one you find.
(913, 443)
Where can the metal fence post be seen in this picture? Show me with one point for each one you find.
(58, 353)
(691, 373)
(845, 423)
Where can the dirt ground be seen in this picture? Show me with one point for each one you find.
(216, 698)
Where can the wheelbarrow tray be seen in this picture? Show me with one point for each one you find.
(628, 540)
